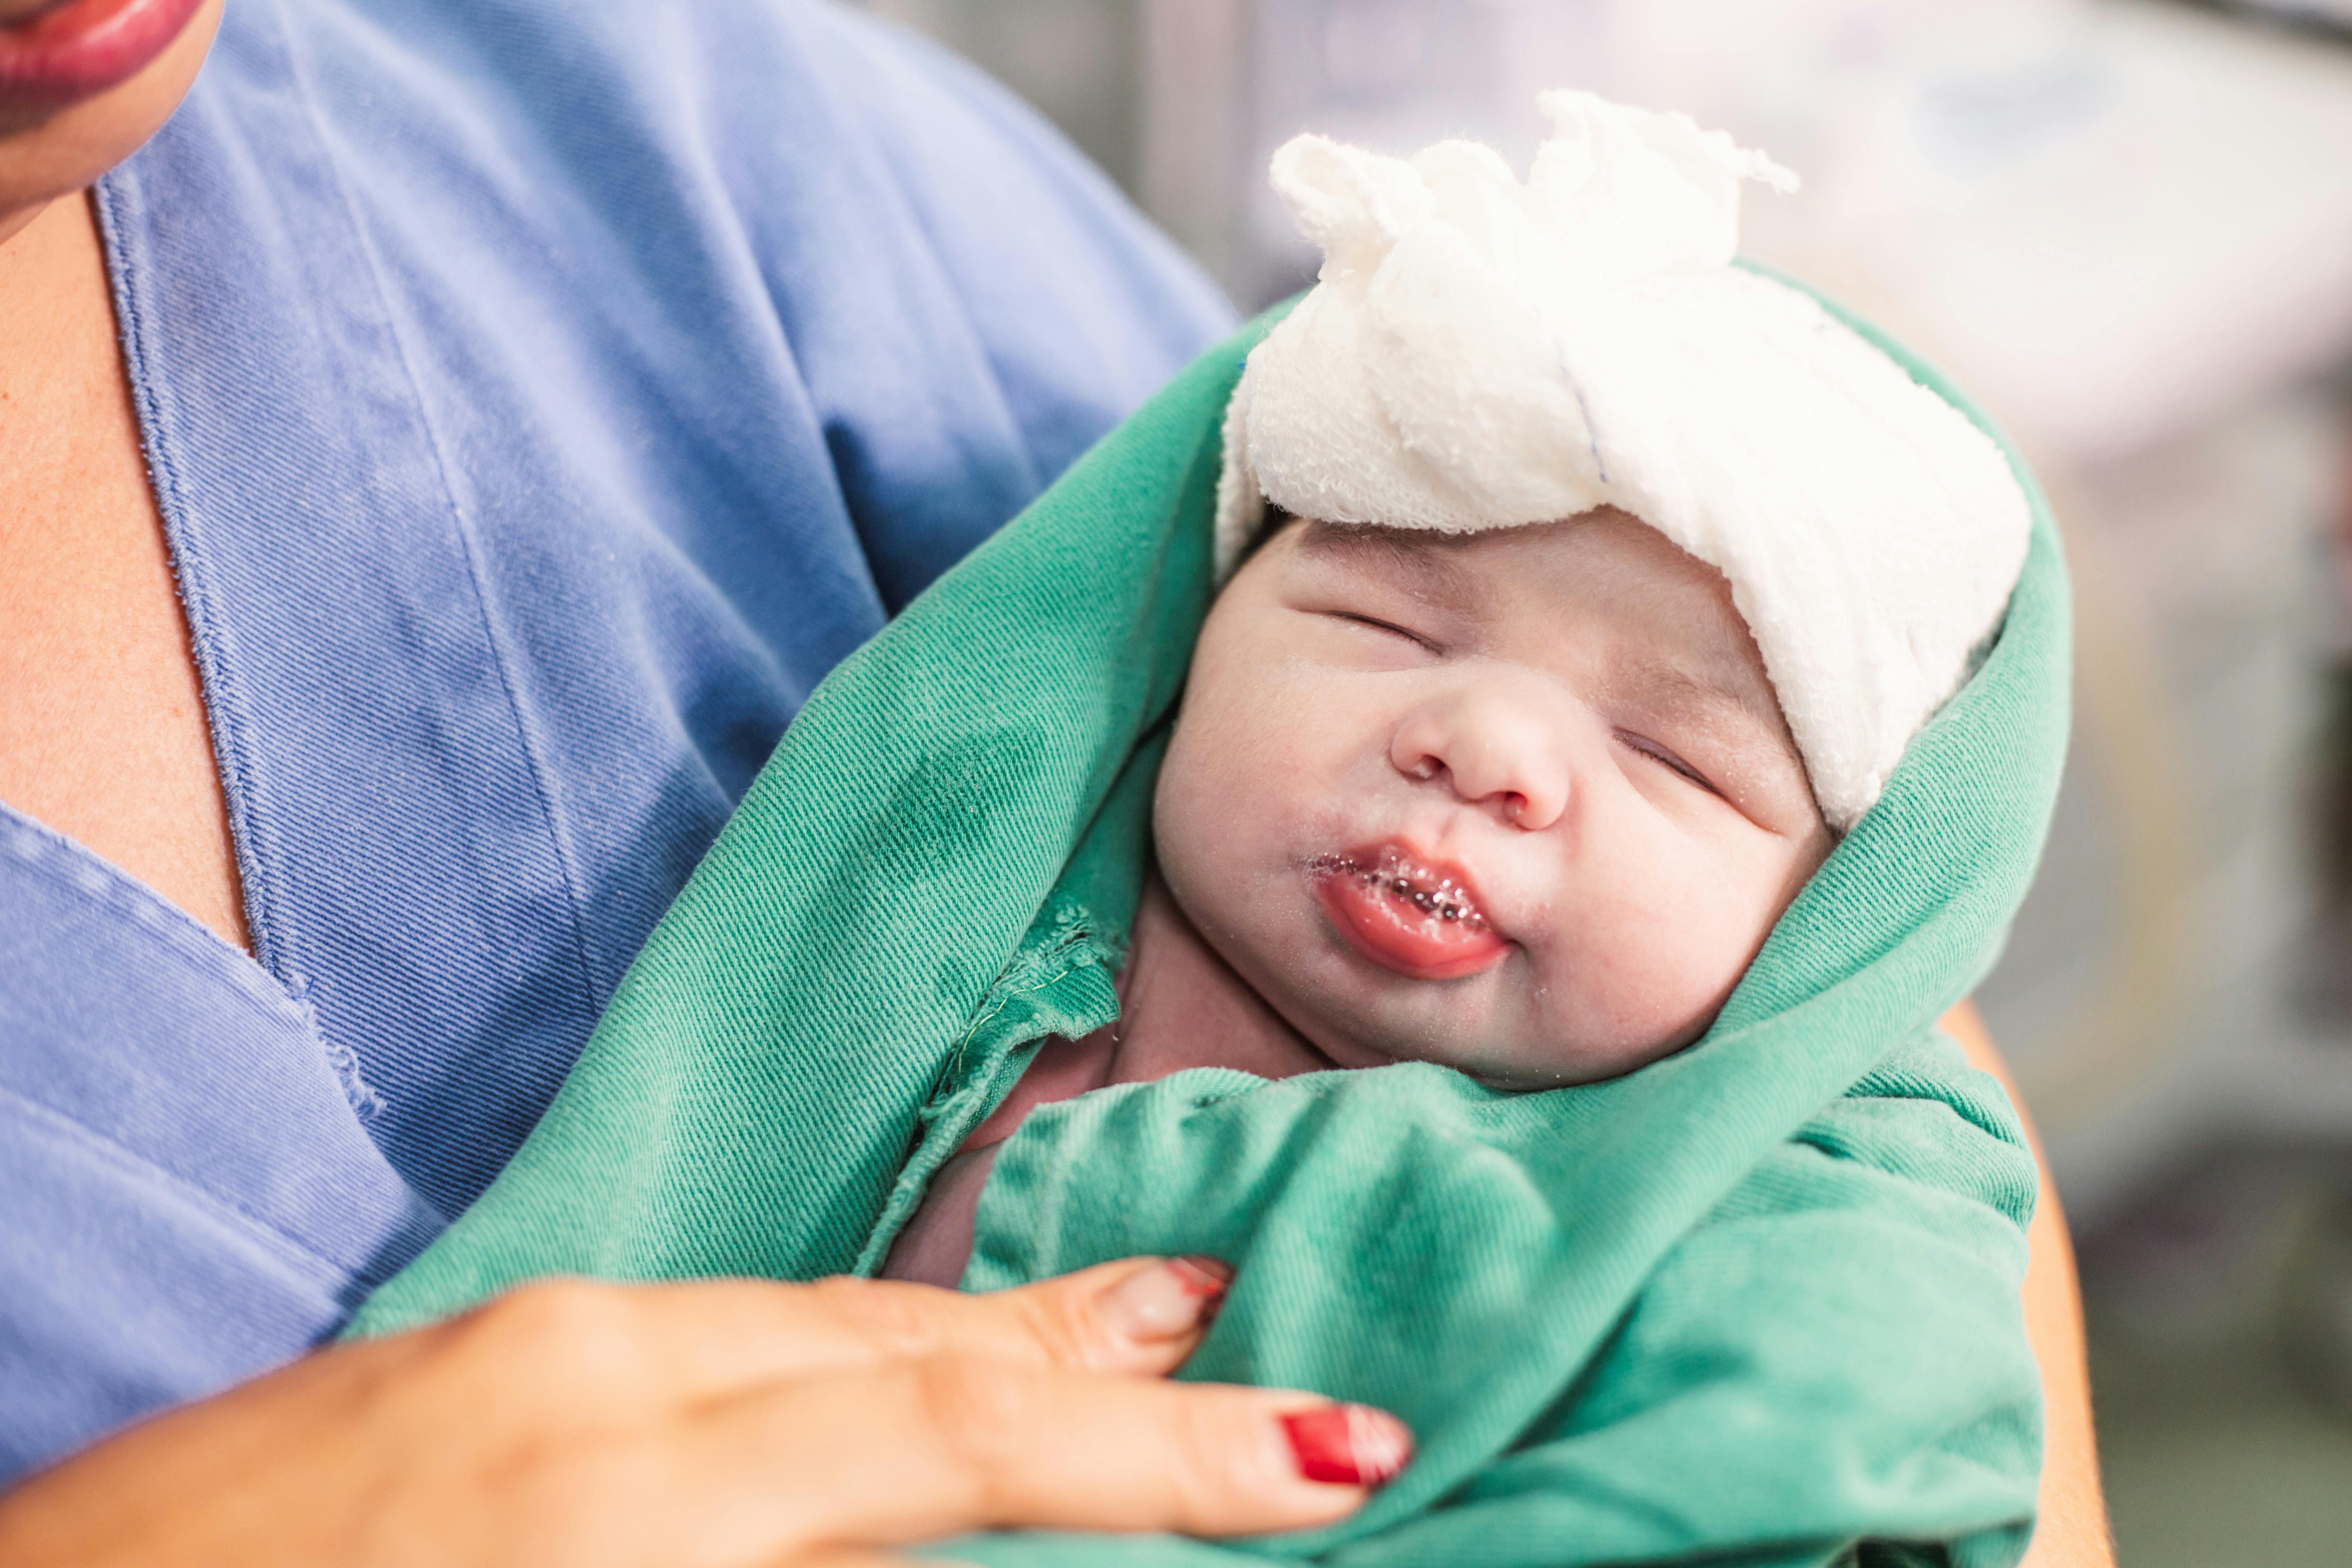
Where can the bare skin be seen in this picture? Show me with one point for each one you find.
(103, 733)
(49, 150)
(102, 730)
(704, 1425)
(1559, 740)
(103, 736)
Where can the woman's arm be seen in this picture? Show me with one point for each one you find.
(2073, 1530)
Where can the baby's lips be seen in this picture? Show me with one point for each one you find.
(1418, 917)
(1436, 886)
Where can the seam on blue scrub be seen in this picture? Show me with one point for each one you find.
(558, 841)
(366, 1103)
(292, 1249)
(226, 714)
(67, 862)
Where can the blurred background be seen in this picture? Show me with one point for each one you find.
(2126, 226)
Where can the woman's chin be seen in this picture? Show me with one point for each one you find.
(65, 52)
(54, 143)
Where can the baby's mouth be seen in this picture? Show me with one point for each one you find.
(1414, 916)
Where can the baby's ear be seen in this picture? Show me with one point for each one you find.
(1352, 204)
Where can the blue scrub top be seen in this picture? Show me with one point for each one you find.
(541, 398)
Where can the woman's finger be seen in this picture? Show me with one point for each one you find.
(716, 1338)
(913, 1450)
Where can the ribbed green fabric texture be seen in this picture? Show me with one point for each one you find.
(1755, 1304)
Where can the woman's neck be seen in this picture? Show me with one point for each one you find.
(102, 730)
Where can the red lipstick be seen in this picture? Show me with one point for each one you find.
(1416, 916)
(72, 50)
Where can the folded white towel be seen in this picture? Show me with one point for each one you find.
(1482, 353)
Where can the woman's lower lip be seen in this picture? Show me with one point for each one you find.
(84, 47)
(1399, 936)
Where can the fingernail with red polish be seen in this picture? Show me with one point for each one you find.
(1349, 1444)
(1207, 1278)
(1167, 1300)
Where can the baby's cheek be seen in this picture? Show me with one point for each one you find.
(1177, 800)
(1247, 754)
(1658, 958)
(1208, 813)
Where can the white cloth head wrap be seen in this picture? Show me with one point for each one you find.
(1482, 353)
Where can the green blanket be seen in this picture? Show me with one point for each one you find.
(1755, 1304)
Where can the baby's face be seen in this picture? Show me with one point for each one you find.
(1520, 802)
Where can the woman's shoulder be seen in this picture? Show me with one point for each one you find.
(543, 396)
(962, 299)
(826, 142)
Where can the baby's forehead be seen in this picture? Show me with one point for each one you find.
(1605, 559)
(1602, 531)
(1680, 640)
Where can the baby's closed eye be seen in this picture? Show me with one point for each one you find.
(1380, 628)
(1666, 758)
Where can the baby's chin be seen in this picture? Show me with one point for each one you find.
(1352, 1034)
(1521, 1056)
(1533, 1071)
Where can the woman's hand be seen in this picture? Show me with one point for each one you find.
(728, 1422)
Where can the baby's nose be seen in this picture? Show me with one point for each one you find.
(1493, 752)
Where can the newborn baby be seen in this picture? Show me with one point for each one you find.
(1519, 802)
(1516, 733)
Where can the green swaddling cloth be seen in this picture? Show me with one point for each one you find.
(1755, 1303)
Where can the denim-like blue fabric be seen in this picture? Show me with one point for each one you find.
(541, 398)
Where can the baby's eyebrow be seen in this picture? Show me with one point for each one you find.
(1718, 686)
(1417, 553)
